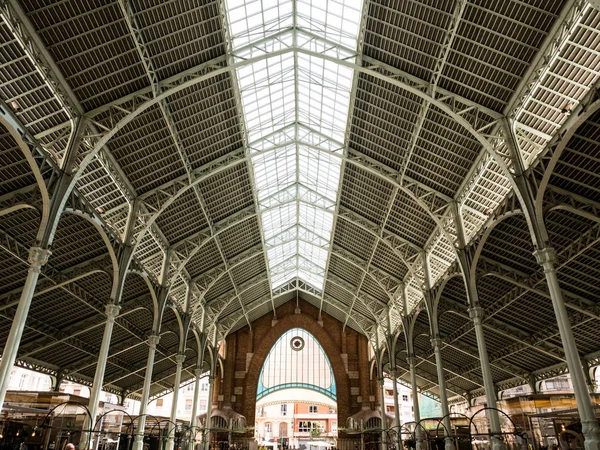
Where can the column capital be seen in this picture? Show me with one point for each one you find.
(153, 340)
(179, 359)
(198, 372)
(591, 431)
(38, 257)
(476, 314)
(436, 343)
(112, 311)
(546, 256)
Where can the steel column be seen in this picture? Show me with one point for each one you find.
(436, 343)
(138, 444)
(194, 419)
(396, 407)
(412, 362)
(37, 258)
(112, 311)
(383, 415)
(547, 258)
(179, 359)
(211, 388)
(476, 314)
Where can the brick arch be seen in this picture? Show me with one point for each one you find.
(329, 345)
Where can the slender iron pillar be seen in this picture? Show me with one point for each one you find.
(397, 409)
(383, 415)
(194, 419)
(138, 444)
(436, 343)
(179, 359)
(547, 258)
(211, 389)
(476, 315)
(412, 361)
(112, 311)
(37, 258)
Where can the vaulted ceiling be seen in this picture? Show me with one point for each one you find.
(251, 150)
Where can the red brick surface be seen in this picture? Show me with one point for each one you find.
(263, 336)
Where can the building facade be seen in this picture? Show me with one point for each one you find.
(293, 418)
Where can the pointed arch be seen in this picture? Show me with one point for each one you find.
(95, 222)
(17, 135)
(306, 366)
(330, 348)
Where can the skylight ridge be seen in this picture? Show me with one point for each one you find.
(295, 106)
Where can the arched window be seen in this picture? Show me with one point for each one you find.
(297, 360)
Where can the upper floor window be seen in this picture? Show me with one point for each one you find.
(284, 409)
(313, 409)
(22, 380)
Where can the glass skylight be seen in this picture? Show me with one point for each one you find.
(296, 110)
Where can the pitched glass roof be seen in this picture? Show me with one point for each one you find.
(295, 108)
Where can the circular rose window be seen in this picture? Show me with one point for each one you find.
(297, 343)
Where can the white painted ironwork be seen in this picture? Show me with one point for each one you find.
(295, 89)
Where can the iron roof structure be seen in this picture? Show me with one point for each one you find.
(229, 155)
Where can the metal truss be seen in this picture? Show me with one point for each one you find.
(365, 324)
(128, 344)
(84, 326)
(125, 114)
(203, 285)
(220, 304)
(157, 90)
(432, 379)
(157, 200)
(488, 176)
(440, 63)
(36, 51)
(389, 208)
(160, 378)
(537, 280)
(454, 341)
(100, 264)
(522, 338)
(561, 199)
(244, 133)
(183, 251)
(181, 386)
(65, 282)
(584, 310)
